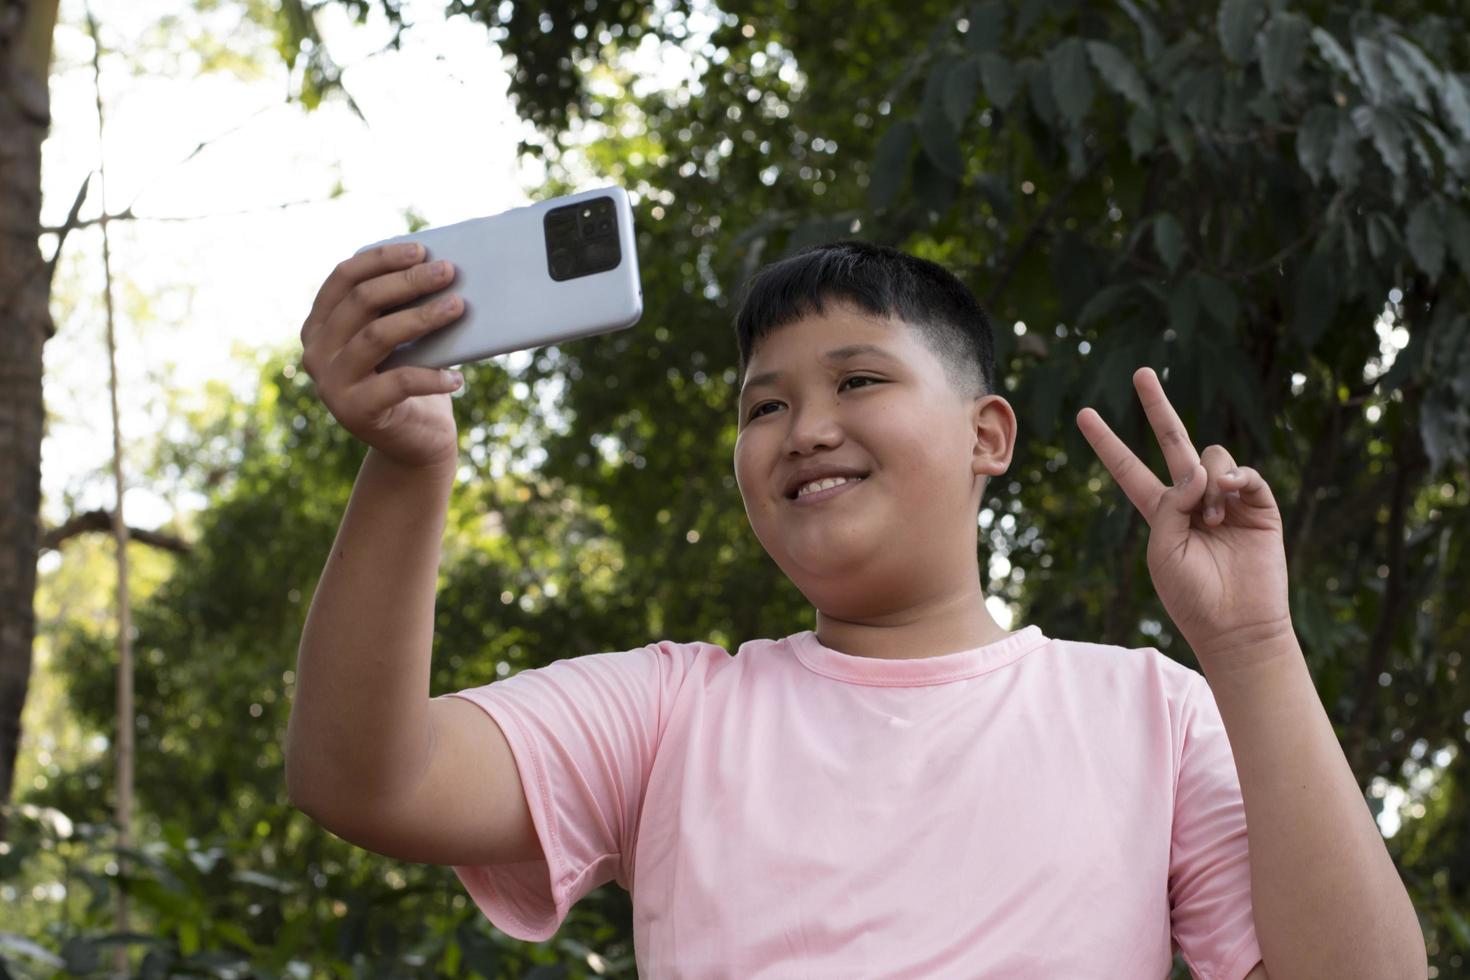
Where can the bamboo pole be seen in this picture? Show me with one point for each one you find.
(125, 723)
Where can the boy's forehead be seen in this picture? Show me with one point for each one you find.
(832, 337)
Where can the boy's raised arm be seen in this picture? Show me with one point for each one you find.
(1326, 898)
(359, 728)
(368, 755)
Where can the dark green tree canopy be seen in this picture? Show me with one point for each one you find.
(1264, 201)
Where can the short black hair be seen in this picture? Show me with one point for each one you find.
(882, 281)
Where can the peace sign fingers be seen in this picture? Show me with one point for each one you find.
(1179, 452)
(1131, 473)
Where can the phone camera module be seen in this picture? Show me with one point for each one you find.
(582, 239)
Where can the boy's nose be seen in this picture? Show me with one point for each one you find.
(813, 428)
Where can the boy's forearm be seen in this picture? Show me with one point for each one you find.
(359, 718)
(1328, 901)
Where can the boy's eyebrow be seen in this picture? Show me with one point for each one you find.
(831, 357)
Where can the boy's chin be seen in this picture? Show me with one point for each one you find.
(830, 574)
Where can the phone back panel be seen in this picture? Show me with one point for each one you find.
(511, 301)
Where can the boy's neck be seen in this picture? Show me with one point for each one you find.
(950, 625)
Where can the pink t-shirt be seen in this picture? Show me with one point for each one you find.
(1033, 808)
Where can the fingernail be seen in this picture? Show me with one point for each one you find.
(410, 251)
(454, 378)
(447, 304)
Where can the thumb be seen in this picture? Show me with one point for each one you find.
(1180, 501)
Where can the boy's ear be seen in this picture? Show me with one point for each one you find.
(994, 423)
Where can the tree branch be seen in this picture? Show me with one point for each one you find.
(71, 222)
(1319, 464)
(126, 214)
(101, 520)
(1395, 598)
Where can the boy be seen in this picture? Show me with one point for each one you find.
(908, 790)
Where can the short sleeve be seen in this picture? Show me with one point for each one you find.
(583, 732)
(1209, 861)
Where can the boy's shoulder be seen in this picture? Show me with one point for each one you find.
(1115, 658)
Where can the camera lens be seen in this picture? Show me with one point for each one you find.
(601, 256)
(563, 263)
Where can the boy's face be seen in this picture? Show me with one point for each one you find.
(905, 531)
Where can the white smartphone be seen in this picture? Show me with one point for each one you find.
(532, 276)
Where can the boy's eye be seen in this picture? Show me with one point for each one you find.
(756, 411)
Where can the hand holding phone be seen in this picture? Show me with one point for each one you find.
(405, 413)
(535, 275)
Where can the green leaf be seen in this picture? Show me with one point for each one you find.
(1105, 301)
(1237, 25)
(1388, 138)
(1071, 82)
(1199, 93)
(999, 80)
(994, 189)
(1426, 238)
(934, 187)
(1314, 300)
(891, 163)
(1382, 235)
(1456, 100)
(1334, 55)
(1218, 300)
(1281, 46)
(1038, 87)
(1378, 84)
(1118, 72)
(21, 946)
(1169, 240)
(1184, 311)
(1442, 427)
(1457, 229)
(1153, 41)
(1143, 132)
(1415, 73)
(249, 877)
(1344, 162)
(1165, 68)
(1314, 140)
(1240, 385)
(987, 27)
(940, 142)
(960, 87)
(1454, 153)
(188, 938)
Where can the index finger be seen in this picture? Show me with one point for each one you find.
(1129, 472)
(1179, 452)
(349, 272)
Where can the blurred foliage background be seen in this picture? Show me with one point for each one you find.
(1265, 199)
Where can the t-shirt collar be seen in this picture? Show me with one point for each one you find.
(882, 672)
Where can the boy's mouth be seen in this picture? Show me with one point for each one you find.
(823, 488)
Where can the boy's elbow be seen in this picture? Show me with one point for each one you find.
(297, 785)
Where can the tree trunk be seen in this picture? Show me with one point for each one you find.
(26, 27)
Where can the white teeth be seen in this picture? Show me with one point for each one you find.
(834, 481)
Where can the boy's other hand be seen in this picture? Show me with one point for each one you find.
(1216, 552)
(404, 413)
